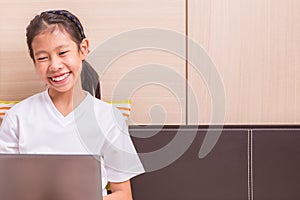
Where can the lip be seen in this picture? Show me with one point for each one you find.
(59, 79)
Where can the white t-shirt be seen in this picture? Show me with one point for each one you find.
(35, 126)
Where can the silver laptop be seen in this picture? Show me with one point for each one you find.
(50, 177)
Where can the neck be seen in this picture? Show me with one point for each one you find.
(65, 102)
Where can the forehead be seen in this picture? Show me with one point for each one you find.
(53, 30)
(51, 38)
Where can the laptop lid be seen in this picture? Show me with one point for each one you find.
(50, 177)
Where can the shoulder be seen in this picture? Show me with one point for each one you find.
(105, 107)
(27, 104)
(100, 104)
(105, 110)
(108, 114)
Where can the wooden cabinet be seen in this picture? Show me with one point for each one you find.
(254, 46)
(222, 174)
(152, 101)
(276, 164)
(247, 162)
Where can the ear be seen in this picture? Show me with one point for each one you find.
(84, 48)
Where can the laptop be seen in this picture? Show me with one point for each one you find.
(50, 177)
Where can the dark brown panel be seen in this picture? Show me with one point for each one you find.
(220, 175)
(276, 164)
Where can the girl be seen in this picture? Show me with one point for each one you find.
(65, 119)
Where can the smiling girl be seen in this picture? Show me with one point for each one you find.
(65, 119)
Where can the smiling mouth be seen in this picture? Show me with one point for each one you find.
(61, 77)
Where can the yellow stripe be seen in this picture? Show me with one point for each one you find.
(119, 101)
(9, 102)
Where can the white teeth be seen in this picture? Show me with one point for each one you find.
(60, 78)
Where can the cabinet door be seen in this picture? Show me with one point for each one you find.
(276, 164)
(222, 174)
(254, 45)
(156, 97)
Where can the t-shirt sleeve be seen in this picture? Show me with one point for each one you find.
(120, 157)
(9, 139)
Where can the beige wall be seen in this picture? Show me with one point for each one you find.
(102, 20)
(253, 44)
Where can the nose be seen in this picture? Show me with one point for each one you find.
(55, 64)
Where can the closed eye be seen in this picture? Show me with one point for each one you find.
(42, 58)
(63, 53)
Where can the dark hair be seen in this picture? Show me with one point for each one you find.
(62, 18)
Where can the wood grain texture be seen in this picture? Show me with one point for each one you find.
(102, 20)
(255, 46)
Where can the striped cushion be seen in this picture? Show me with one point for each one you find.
(5, 106)
(124, 106)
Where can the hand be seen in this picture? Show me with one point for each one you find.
(120, 191)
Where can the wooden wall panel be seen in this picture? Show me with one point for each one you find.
(255, 46)
(102, 20)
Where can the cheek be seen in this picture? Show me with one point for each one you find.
(41, 71)
(75, 65)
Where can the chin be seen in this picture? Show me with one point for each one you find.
(61, 90)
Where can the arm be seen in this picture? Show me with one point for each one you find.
(9, 140)
(121, 160)
(120, 191)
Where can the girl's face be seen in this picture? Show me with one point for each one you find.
(58, 60)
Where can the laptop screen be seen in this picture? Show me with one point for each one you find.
(50, 177)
